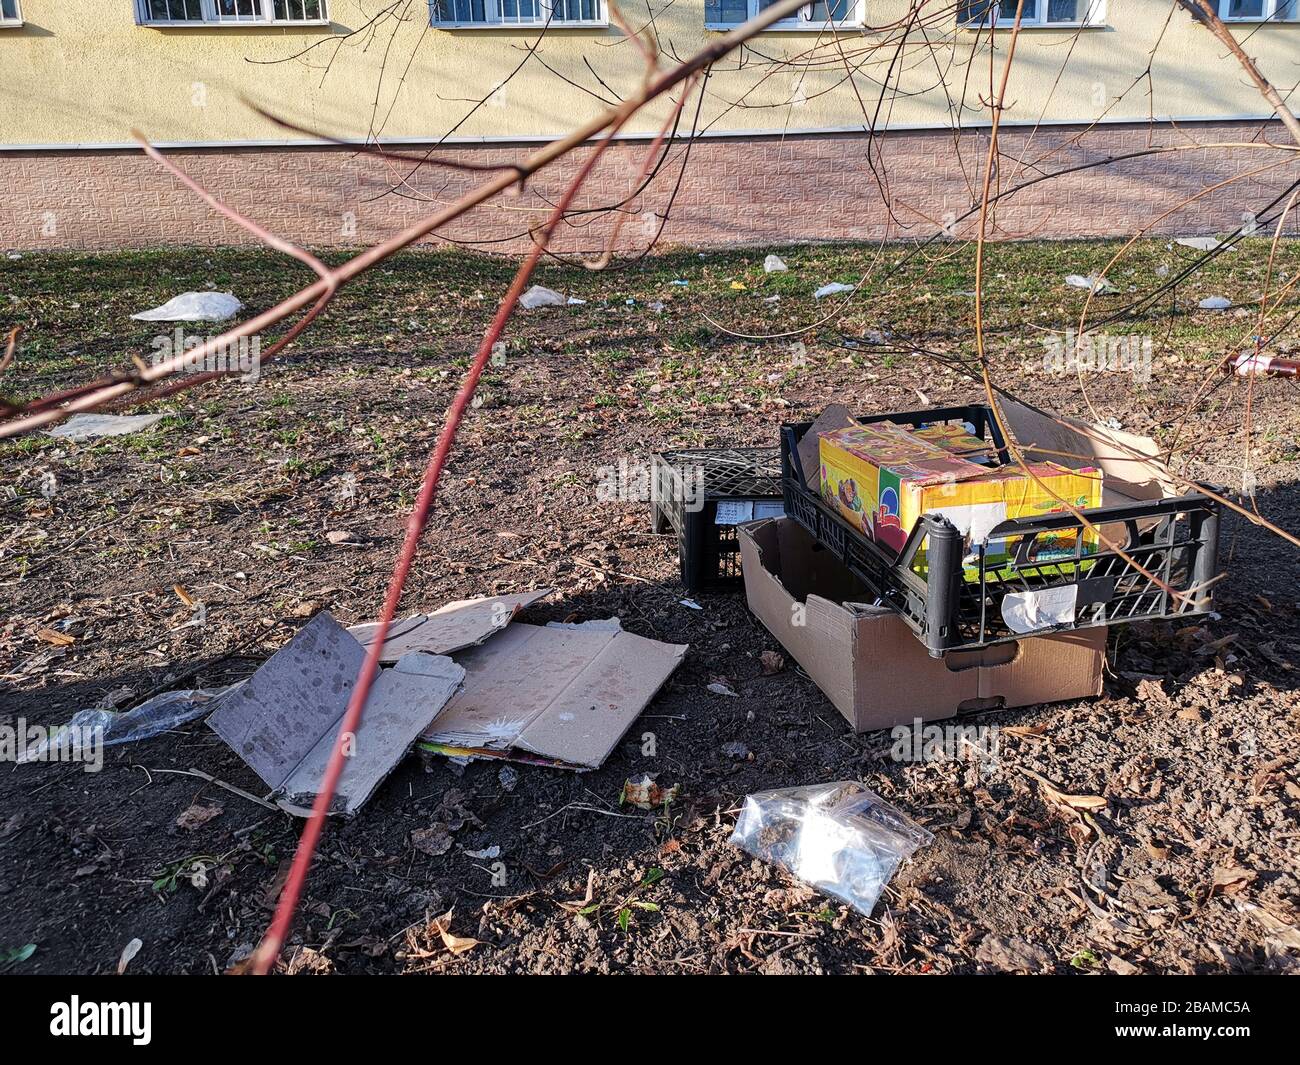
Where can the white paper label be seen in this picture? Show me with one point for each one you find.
(768, 510)
(733, 512)
(1027, 611)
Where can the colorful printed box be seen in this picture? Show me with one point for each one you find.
(882, 478)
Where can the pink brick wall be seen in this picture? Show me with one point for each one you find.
(762, 190)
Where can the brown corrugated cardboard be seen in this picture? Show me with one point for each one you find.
(563, 693)
(454, 627)
(284, 720)
(869, 663)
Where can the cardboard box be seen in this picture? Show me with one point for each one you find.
(882, 478)
(870, 664)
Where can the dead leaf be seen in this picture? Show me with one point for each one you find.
(183, 595)
(1025, 731)
(433, 841)
(197, 815)
(54, 637)
(1232, 880)
(1054, 795)
(455, 944)
(772, 662)
(1286, 934)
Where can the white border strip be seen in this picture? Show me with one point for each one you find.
(728, 134)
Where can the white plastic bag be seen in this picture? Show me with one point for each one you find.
(841, 838)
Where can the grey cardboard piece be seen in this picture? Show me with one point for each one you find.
(565, 694)
(283, 721)
(836, 416)
(871, 666)
(454, 627)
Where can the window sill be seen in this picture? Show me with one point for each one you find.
(521, 27)
(11, 23)
(1036, 27)
(791, 27)
(240, 24)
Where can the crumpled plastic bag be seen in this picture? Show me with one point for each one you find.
(194, 307)
(840, 838)
(164, 711)
(540, 296)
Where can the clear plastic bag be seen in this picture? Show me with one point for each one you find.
(841, 838)
(163, 712)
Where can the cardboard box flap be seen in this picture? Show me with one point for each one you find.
(566, 693)
(585, 721)
(1127, 478)
(402, 702)
(454, 627)
(284, 720)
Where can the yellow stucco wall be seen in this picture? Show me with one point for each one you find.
(83, 72)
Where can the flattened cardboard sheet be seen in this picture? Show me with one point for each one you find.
(566, 694)
(284, 720)
(454, 627)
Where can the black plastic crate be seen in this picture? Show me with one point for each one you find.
(1174, 539)
(687, 487)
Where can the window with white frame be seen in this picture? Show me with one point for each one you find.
(819, 14)
(475, 13)
(1035, 13)
(10, 15)
(1259, 10)
(197, 12)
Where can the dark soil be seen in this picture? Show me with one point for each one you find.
(1193, 864)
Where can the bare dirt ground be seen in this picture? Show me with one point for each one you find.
(1193, 864)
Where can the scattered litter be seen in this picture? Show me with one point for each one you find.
(642, 792)
(82, 427)
(1203, 243)
(739, 286)
(194, 307)
(718, 688)
(283, 721)
(485, 853)
(679, 283)
(657, 306)
(575, 301)
(508, 778)
(690, 603)
(1097, 285)
(1215, 303)
(774, 264)
(449, 818)
(540, 296)
(454, 627)
(163, 712)
(833, 289)
(735, 749)
(553, 696)
(128, 952)
(772, 299)
(840, 838)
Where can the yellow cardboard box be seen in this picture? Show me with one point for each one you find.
(882, 478)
